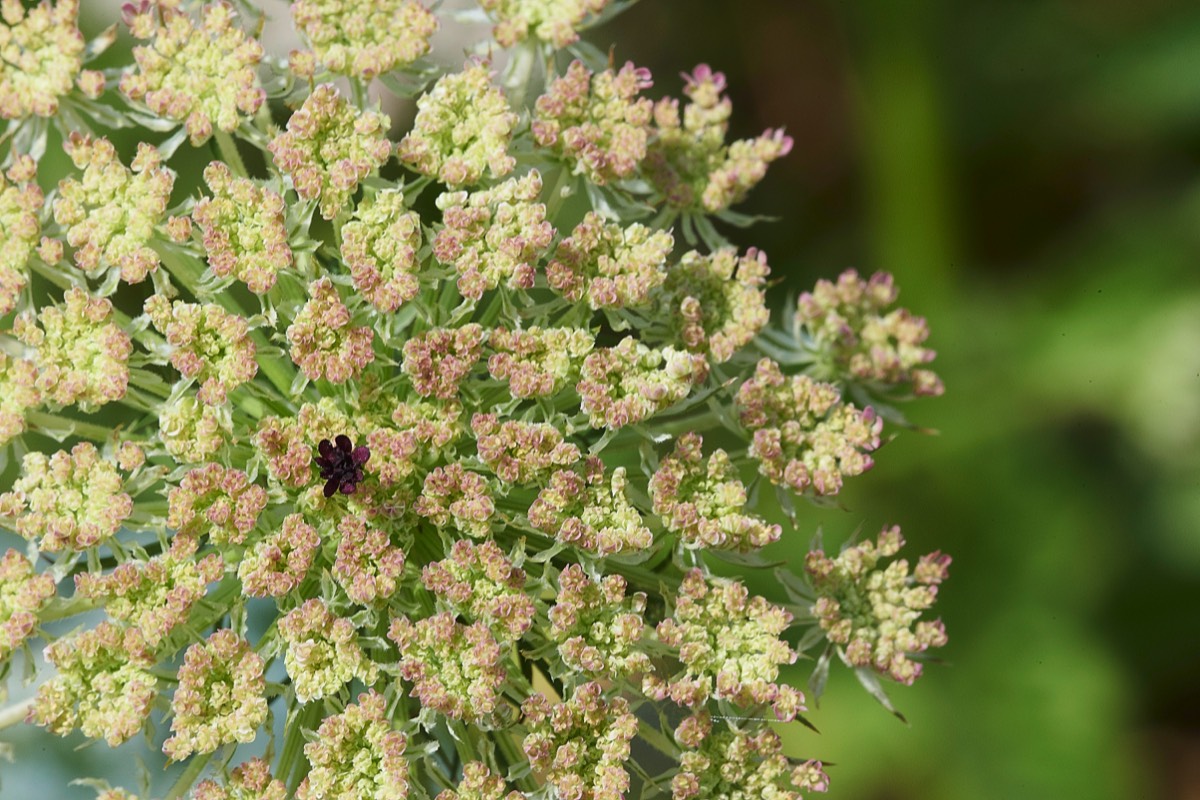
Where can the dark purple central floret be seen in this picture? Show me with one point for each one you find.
(341, 464)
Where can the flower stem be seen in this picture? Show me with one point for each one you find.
(195, 766)
(15, 714)
(86, 430)
(227, 147)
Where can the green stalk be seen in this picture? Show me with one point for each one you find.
(62, 609)
(15, 714)
(86, 430)
(227, 148)
(195, 766)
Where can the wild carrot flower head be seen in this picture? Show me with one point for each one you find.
(613, 267)
(357, 753)
(631, 382)
(538, 362)
(325, 344)
(323, 654)
(209, 345)
(243, 231)
(380, 246)
(250, 780)
(716, 302)
(481, 584)
(455, 669)
(20, 226)
(598, 629)
(19, 392)
(591, 512)
(22, 594)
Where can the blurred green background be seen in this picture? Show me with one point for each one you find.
(1030, 172)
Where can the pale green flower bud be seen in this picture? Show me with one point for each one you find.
(364, 38)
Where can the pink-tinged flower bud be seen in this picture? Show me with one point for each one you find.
(494, 236)
(330, 147)
(481, 584)
(191, 431)
(631, 382)
(589, 512)
(804, 435)
(72, 501)
(323, 342)
(850, 325)
(20, 228)
(463, 129)
(220, 698)
(581, 745)
(380, 245)
(730, 647)
(22, 594)
(456, 670)
(613, 267)
(209, 345)
(551, 21)
(82, 356)
(363, 39)
(103, 685)
(110, 212)
(249, 781)
(323, 653)
(357, 754)
(204, 75)
(596, 123)
(704, 501)
(43, 55)
(871, 611)
(243, 230)
(216, 501)
(717, 303)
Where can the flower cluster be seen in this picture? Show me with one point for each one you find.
(597, 628)
(494, 235)
(103, 687)
(363, 40)
(730, 648)
(243, 229)
(109, 213)
(716, 302)
(220, 698)
(732, 764)
(438, 478)
(581, 744)
(704, 501)
(22, 593)
(329, 148)
(81, 354)
(631, 382)
(871, 612)
(538, 362)
(41, 55)
(613, 267)
(689, 162)
(851, 328)
(463, 127)
(380, 247)
(69, 501)
(323, 653)
(553, 21)
(202, 75)
(324, 342)
(804, 435)
(357, 754)
(596, 123)
(590, 512)
(20, 204)
(208, 345)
